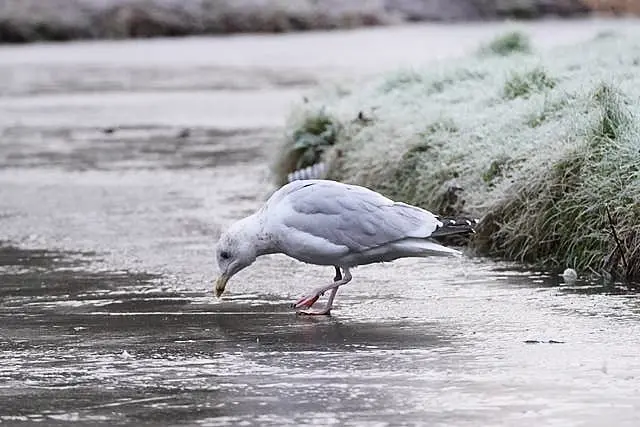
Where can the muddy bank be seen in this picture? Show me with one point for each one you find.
(59, 20)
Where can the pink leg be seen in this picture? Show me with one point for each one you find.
(324, 310)
(307, 302)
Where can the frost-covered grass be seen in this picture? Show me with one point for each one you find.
(538, 146)
(523, 84)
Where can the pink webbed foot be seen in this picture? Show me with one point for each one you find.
(306, 301)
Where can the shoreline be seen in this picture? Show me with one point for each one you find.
(26, 21)
(540, 145)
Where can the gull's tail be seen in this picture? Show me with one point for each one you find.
(454, 226)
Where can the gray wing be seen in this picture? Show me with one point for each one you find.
(352, 217)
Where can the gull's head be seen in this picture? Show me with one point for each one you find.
(235, 251)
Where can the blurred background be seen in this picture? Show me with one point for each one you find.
(32, 20)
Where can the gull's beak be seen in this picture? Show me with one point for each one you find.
(221, 283)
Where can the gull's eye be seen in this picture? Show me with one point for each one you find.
(225, 255)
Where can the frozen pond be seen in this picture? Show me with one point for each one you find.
(119, 164)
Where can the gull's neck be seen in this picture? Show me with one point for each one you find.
(253, 228)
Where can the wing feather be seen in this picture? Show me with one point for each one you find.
(350, 216)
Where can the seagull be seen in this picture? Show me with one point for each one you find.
(325, 222)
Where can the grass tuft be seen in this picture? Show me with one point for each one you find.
(495, 170)
(557, 217)
(306, 144)
(508, 44)
(614, 116)
(523, 85)
(606, 34)
(400, 79)
(444, 125)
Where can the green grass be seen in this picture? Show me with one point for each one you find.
(538, 146)
(614, 117)
(400, 80)
(508, 44)
(312, 135)
(521, 85)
